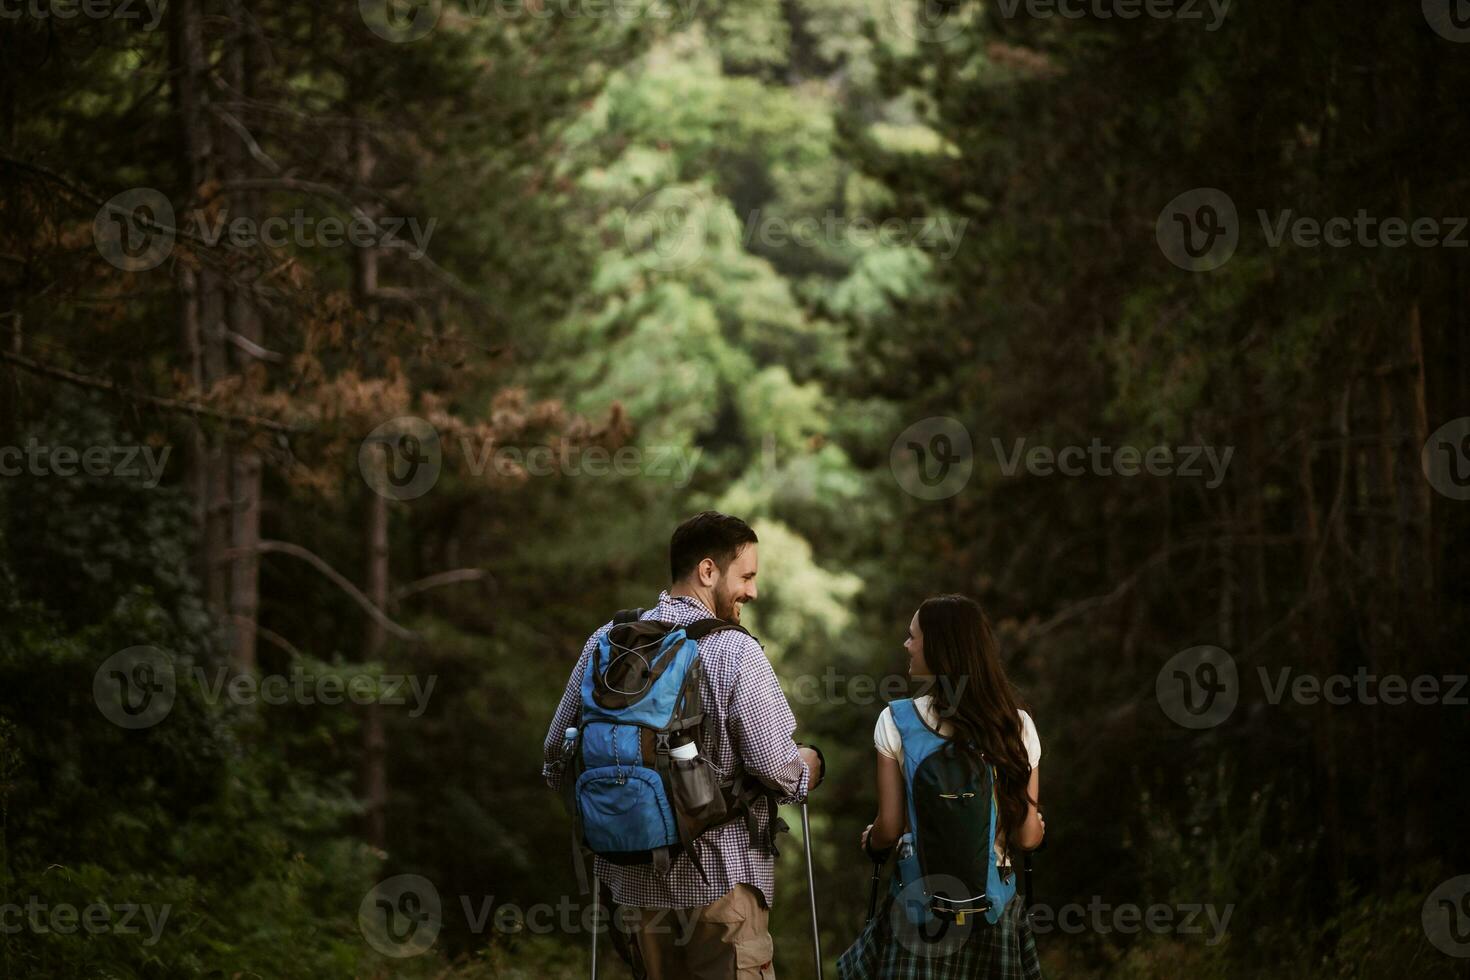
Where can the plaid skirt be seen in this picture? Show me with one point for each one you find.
(889, 949)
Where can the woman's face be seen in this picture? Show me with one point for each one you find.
(915, 647)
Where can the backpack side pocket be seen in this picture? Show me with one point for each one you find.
(697, 793)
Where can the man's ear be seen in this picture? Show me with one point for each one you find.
(708, 573)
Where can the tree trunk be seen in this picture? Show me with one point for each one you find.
(244, 320)
(375, 737)
(201, 307)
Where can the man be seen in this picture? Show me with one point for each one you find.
(687, 927)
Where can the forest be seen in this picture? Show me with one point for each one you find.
(357, 361)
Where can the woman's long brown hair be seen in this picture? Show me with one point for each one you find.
(985, 712)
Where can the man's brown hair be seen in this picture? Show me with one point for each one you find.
(709, 534)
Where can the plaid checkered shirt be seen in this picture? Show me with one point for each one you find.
(748, 721)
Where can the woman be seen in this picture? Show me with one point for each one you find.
(950, 645)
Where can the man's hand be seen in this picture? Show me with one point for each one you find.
(813, 766)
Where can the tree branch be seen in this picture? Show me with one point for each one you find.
(157, 401)
(278, 640)
(441, 578)
(337, 578)
(259, 154)
(330, 193)
(1084, 606)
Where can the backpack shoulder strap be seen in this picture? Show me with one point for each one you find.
(919, 740)
(690, 706)
(905, 715)
(701, 628)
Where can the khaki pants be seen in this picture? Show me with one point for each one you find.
(728, 939)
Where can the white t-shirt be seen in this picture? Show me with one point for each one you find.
(887, 740)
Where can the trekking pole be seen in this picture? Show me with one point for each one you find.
(1026, 866)
(596, 895)
(811, 888)
(1026, 884)
(873, 893)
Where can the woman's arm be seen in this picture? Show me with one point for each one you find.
(1033, 829)
(889, 824)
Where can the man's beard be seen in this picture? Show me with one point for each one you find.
(726, 608)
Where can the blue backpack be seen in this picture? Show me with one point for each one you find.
(947, 867)
(635, 790)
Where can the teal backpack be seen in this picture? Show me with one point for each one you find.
(947, 867)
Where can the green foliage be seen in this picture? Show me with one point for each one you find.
(614, 202)
(239, 859)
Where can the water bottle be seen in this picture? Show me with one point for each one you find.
(568, 749)
(694, 781)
